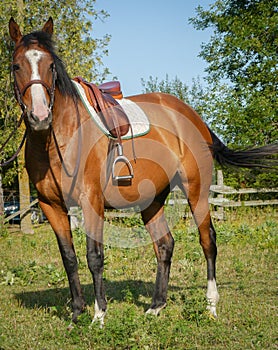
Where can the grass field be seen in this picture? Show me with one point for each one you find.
(35, 305)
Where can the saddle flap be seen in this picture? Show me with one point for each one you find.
(114, 116)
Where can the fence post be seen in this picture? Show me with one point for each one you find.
(220, 183)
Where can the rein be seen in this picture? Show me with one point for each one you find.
(8, 139)
(75, 171)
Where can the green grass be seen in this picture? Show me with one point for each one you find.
(35, 305)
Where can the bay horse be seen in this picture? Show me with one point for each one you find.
(67, 158)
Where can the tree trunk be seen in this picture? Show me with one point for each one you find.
(24, 197)
(23, 178)
(1, 198)
(2, 224)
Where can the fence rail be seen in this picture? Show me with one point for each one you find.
(220, 201)
(21, 212)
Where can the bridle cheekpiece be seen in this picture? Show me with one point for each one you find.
(50, 89)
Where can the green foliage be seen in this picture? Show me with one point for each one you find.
(174, 87)
(243, 48)
(242, 52)
(194, 95)
(31, 272)
(76, 45)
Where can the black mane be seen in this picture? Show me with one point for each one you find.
(44, 40)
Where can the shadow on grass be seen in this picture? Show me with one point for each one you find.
(59, 298)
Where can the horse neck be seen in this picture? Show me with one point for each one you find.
(71, 121)
(69, 115)
(65, 113)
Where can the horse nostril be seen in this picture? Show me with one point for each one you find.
(33, 117)
(38, 124)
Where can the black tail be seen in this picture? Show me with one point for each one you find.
(261, 157)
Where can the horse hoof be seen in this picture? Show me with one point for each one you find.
(156, 311)
(70, 327)
(99, 318)
(212, 312)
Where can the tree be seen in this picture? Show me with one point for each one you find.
(83, 55)
(242, 60)
(243, 53)
(194, 95)
(175, 87)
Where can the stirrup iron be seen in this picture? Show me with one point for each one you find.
(122, 159)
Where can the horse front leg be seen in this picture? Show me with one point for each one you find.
(95, 258)
(163, 244)
(59, 221)
(93, 212)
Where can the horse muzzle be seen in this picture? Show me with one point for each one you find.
(37, 124)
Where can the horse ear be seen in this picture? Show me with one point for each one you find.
(15, 32)
(48, 27)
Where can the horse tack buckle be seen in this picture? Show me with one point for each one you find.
(122, 159)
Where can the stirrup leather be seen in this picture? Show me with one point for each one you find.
(122, 159)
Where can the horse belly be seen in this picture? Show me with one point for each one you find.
(150, 179)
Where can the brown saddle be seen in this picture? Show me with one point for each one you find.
(112, 88)
(102, 98)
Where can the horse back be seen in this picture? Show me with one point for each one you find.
(175, 109)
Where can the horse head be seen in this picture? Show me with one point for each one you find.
(34, 72)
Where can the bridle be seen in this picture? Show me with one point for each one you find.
(19, 94)
(50, 89)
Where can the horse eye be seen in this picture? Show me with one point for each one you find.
(15, 67)
(51, 67)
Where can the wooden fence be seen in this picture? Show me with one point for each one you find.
(219, 201)
(21, 212)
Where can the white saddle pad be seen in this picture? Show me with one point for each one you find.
(139, 122)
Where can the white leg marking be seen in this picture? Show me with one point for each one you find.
(99, 315)
(70, 327)
(212, 297)
(155, 312)
(39, 105)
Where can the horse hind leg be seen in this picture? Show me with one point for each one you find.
(163, 244)
(200, 209)
(210, 251)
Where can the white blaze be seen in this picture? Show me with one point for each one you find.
(39, 103)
